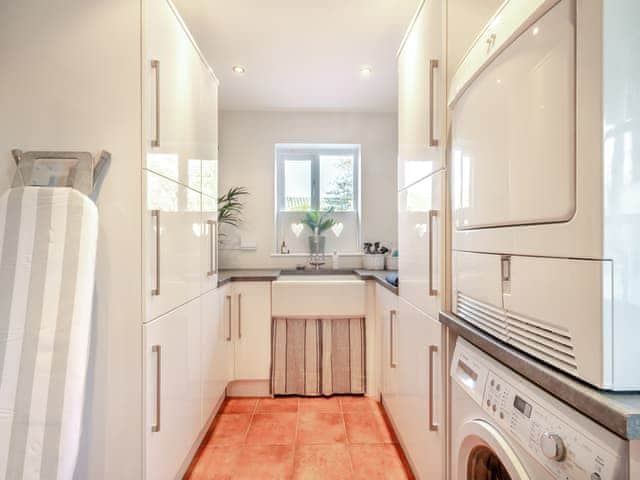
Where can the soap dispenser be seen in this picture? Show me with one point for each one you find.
(335, 260)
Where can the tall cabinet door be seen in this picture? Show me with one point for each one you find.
(418, 416)
(172, 389)
(173, 81)
(420, 96)
(173, 243)
(420, 223)
(252, 330)
(215, 352)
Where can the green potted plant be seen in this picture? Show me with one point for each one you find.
(230, 206)
(318, 222)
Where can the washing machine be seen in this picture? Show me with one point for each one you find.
(503, 427)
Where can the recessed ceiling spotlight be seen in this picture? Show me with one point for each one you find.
(239, 69)
(536, 30)
(366, 70)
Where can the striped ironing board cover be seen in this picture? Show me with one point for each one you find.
(48, 239)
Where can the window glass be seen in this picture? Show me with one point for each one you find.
(297, 185)
(336, 182)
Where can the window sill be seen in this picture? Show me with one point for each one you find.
(340, 254)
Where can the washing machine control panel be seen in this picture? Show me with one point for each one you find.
(563, 449)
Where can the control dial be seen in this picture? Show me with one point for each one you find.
(552, 446)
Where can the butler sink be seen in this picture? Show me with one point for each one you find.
(326, 295)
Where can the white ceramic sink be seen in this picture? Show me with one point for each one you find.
(324, 295)
(319, 278)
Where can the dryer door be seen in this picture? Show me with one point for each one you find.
(483, 454)
(513, 131)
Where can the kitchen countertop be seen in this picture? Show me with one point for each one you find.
(616, 411)
(268, 275)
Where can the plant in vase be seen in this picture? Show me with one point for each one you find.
(318, 222)
(230, 209)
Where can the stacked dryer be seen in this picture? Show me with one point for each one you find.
(545, 160)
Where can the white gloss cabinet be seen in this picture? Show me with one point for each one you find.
(251, 330)
(387, 317)
(416, 408)
(420, 229)
(174, 231)
(172, 419)
(421, 96)
(215, 353)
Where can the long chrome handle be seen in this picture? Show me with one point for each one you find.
(157, 349)
(239, 316)
(433, 426)
(227, 299)
(392, 351)
(156, 214)
(433, 64)
(432, 291)
(212, 267)
(155, 64)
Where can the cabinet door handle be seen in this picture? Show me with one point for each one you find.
(433, 426)
(392, 351)
(156, 215)
(239, 316)
(432, 291)
(433, 64)
(227, 299)
(213, 265)
(157, 349)
(155, 64)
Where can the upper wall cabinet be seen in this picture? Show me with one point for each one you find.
(420, 96)
(181, 119)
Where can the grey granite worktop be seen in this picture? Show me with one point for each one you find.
(268, 275)
(616, 411)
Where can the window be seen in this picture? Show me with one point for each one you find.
(318, 177)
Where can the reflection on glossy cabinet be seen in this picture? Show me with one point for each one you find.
(416, 408)
(421, 96)
(216, 351)
(181, 99)
(173, 389)
(420, 229)
(252, 330)
(174, 265)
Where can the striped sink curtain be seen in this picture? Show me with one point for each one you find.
(318, 356)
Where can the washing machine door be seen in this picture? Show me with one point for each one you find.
(484, 454)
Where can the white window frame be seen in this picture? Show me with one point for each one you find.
(313, 152)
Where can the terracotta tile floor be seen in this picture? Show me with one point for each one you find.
(338, 438)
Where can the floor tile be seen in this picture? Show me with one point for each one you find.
(272, 429)
(215, 463)
(239, 405)
(318, 428)
(320, 404)
(367, 427)
(264, 462)
(230, 429)
(357, 404)
(322, 462)
(277, 405)
(378, 462)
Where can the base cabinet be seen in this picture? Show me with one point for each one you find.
(251, 330)
(216, 353)
(412, 387)
(172, 366)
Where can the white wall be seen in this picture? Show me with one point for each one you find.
(70, 80)
(247, 141)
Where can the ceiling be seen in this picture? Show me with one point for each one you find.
(301, 54)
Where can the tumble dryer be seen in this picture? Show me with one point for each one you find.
(545, 160)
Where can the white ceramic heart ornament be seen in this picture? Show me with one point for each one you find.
(337, 229)
(297, 228)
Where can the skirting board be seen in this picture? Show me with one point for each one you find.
(249, 388)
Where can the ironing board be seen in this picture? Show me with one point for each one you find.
(48, 239)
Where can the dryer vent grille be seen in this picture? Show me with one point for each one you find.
(549, 344)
